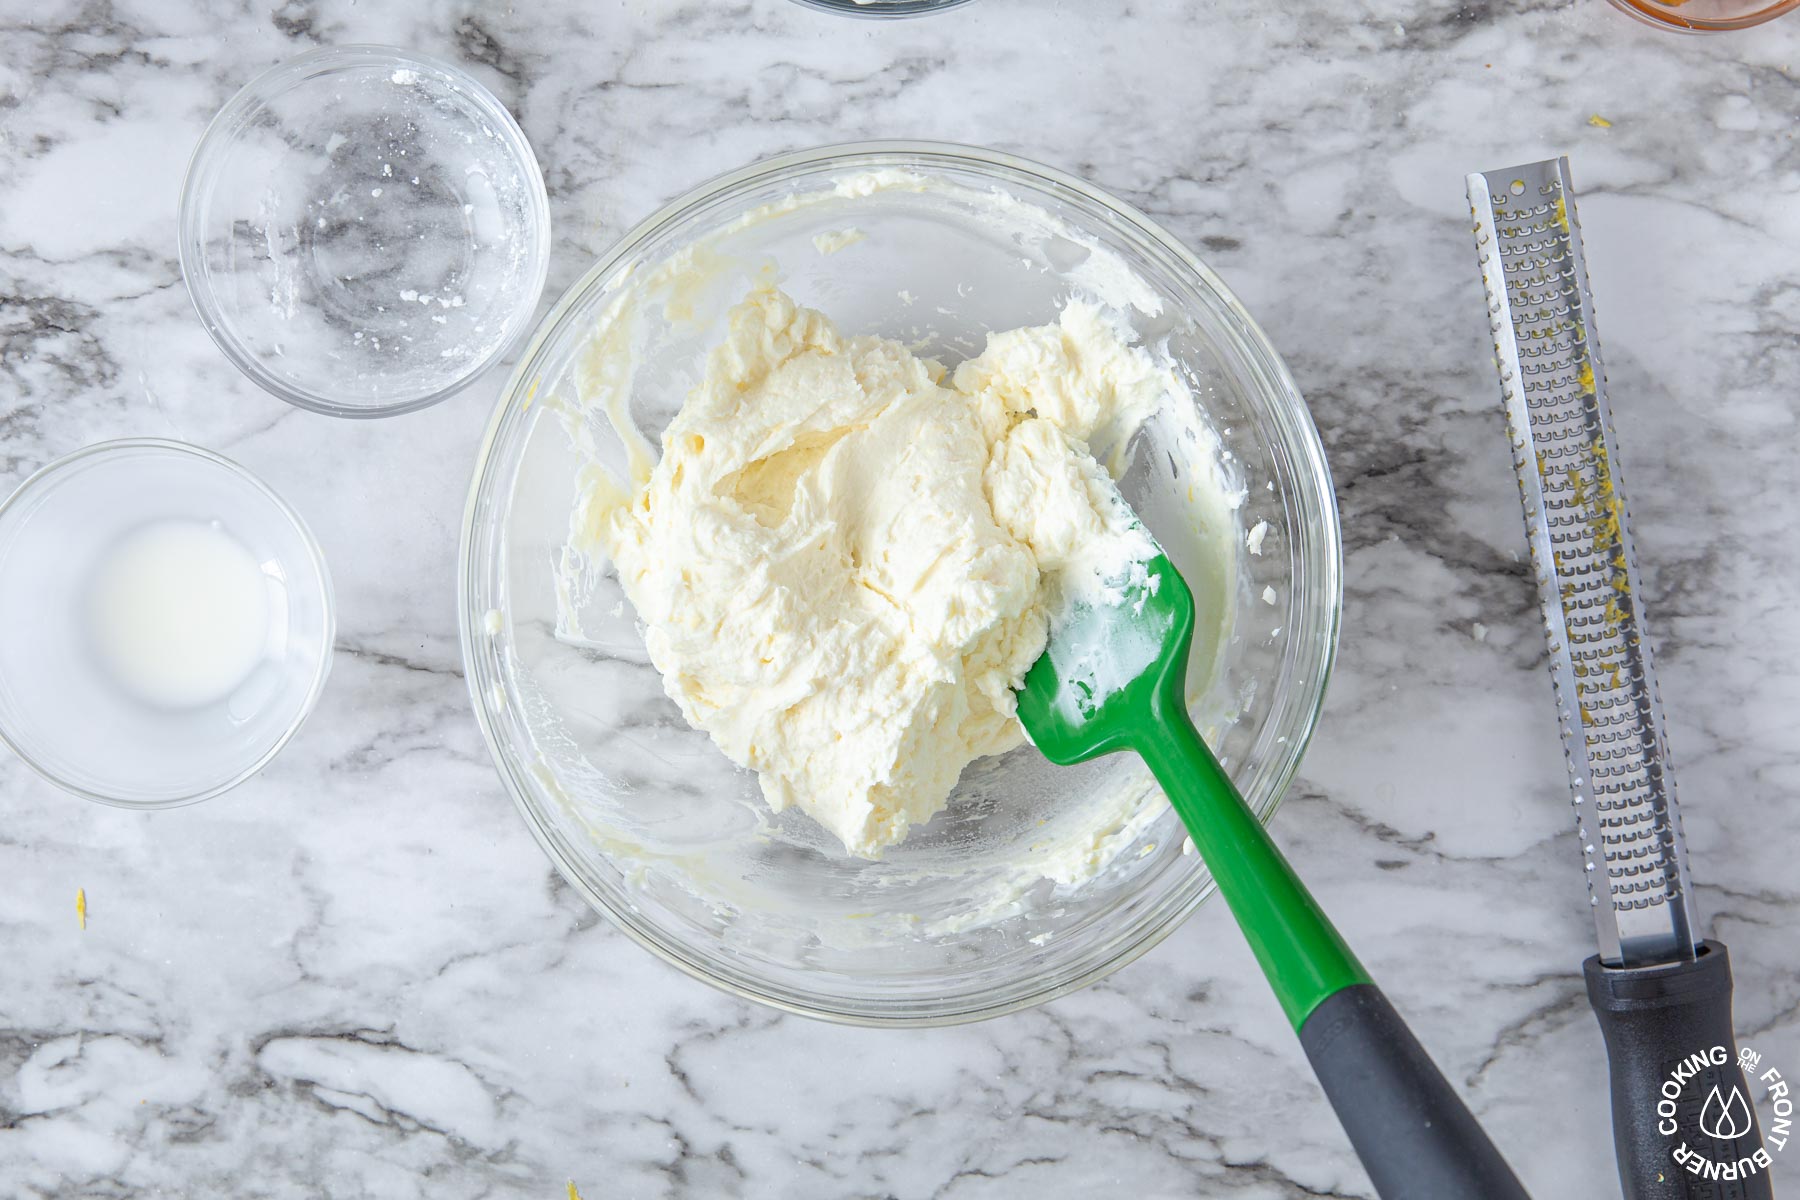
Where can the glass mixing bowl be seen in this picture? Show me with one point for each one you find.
(934, 245)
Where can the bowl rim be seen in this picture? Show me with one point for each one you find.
(315, 556)
(516, 398)
(879, 9)
(214, 148)
(1660, 17)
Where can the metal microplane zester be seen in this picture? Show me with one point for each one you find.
(1660, 991)
(1587, 572)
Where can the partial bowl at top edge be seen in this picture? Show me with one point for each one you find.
(882, 8)
(1677, 17)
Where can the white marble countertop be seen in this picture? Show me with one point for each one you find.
(358, 977)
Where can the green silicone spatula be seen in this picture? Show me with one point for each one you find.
(1113, 678)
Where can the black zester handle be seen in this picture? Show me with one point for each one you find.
(1653, 1019)
(1416, 1138)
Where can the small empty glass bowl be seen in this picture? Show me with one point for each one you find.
(102, 558)
(364, 230)
(882, 8)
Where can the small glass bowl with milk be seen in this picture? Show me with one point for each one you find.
(165, 623)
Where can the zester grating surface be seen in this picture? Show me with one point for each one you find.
(1563, 449)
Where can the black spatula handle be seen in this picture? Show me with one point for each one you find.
(1655, 1021)
(1414, 1135)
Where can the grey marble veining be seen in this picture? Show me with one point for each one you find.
(357, 977)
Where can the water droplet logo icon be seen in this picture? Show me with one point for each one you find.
(1725, 1119)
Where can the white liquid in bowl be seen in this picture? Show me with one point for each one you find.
(178, 613)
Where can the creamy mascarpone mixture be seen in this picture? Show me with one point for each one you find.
(845, 561)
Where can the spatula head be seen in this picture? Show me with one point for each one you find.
(1109, 665)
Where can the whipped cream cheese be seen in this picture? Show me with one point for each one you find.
(845, 561)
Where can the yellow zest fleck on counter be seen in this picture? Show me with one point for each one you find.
(81, 906)
(1599, 122)
(573, 1194)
